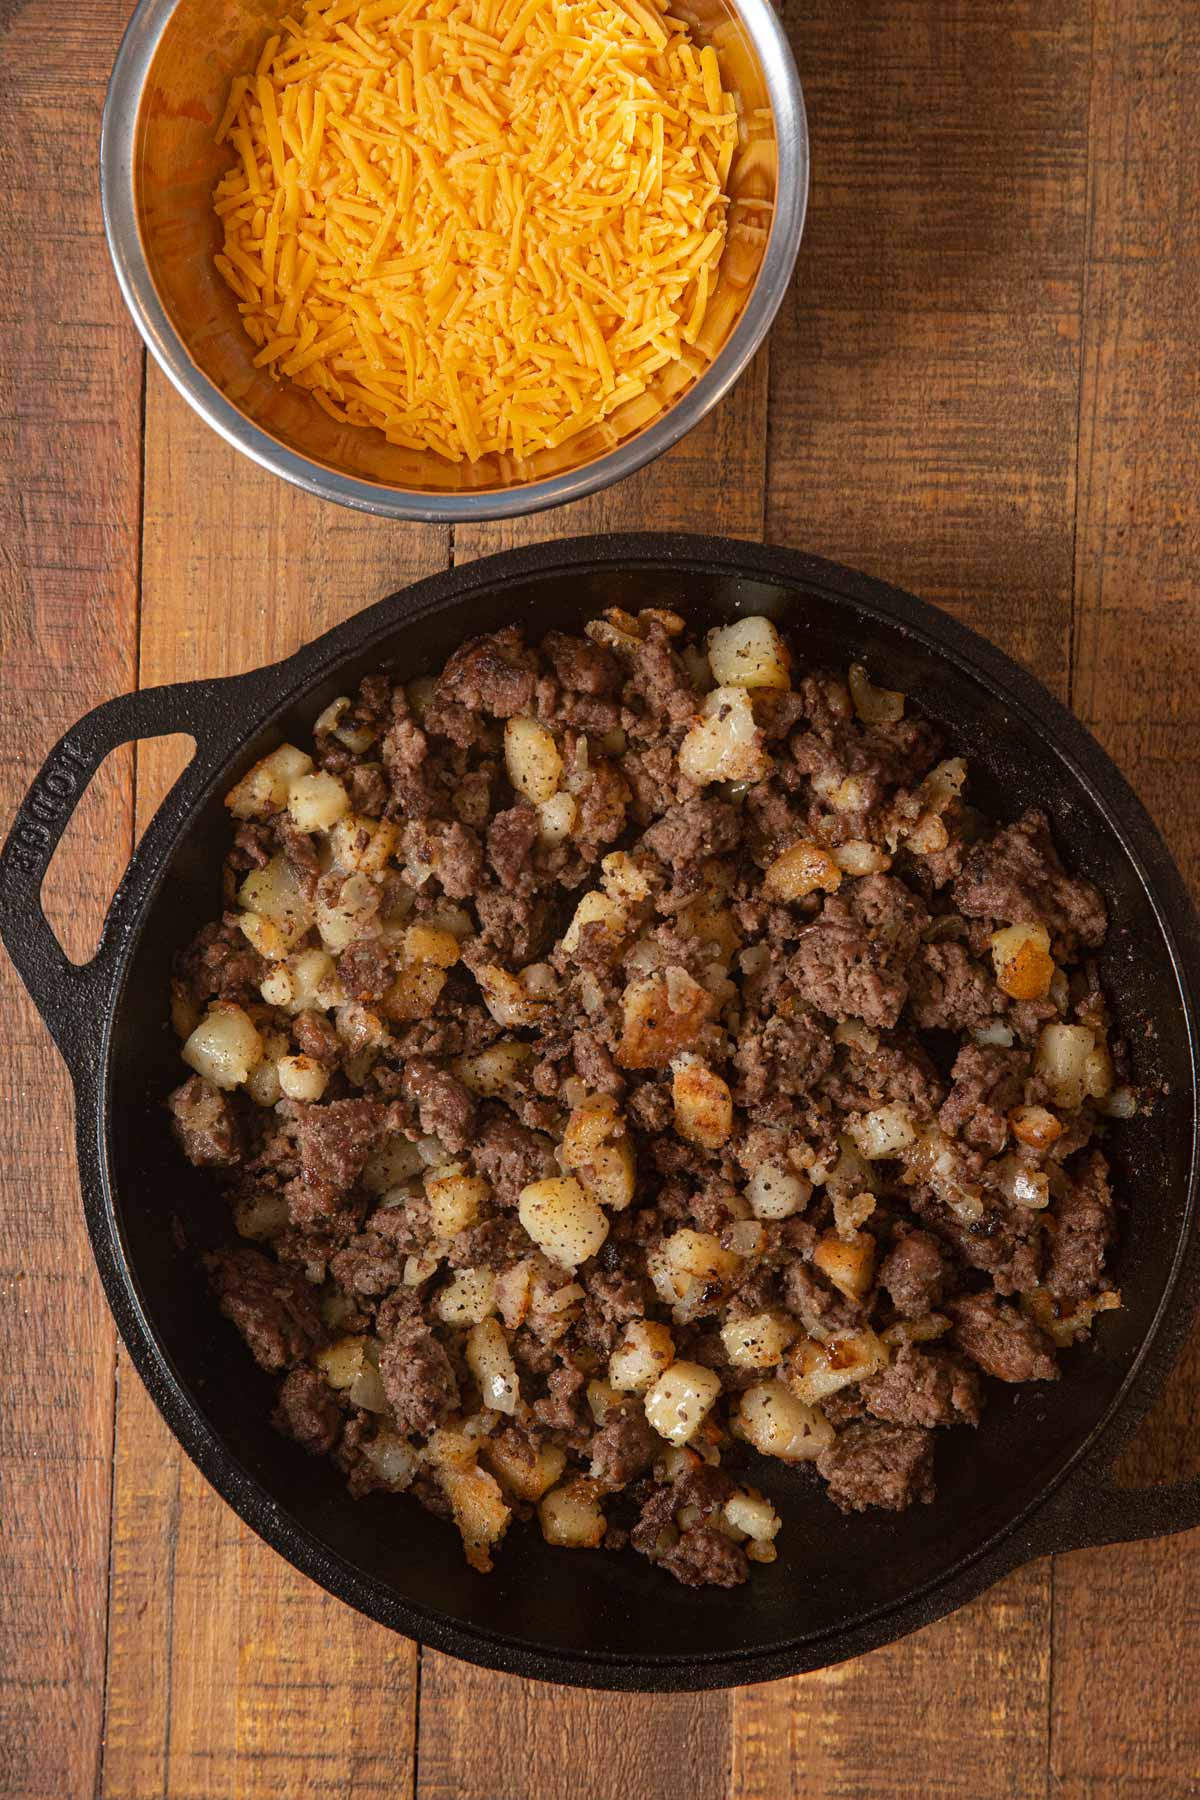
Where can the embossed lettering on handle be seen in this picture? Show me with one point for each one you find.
(33, 841)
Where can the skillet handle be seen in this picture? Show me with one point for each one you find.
(73, 997)
(1088, 1510)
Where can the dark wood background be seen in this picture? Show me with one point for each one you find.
(983, 386)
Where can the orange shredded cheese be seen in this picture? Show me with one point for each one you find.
(479, 226)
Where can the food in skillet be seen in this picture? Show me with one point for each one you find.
(487, 226)
(630, 1050)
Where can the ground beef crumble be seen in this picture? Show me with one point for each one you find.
(597, 1096)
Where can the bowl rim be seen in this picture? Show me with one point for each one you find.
(118, 203)
(1074, 1505)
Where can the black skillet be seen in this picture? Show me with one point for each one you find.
(1033, 1479)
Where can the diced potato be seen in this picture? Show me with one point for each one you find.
(1066, 1321)
(759, 1341)
(874, 706)
(1022, 1185)
(454, 1199)
(1099, 1076)
(468, 1299)
(505, 998)
(597, 1146)
(264, 789)
(265, 935)
(800, 871)
(646, 1349)
(601, 1399)
(261, 1216)
(363, 845)
(341, 1362)
(860, 858)
(570, 1516)
(679, 1401)
(490, 1362)
(662, 1015)
(343, 922)
(745, 1237)
(225, 1046)
(1035, 1126)
(414, 992)
(849, 1266)
(748, 654)
(514, 1293)
(302, 1077)
(1022, 961)
(748, 1512)
(776, 1192)
(397, 1161)
(703, 1102)
(279, 986)
(935, 1160)
(815, 1370)
(532, 759)
(394, 1460)
(317, 801)
(357, 738)
(475, 1498)
(563, 1221)
(495, 1070)
(925, 1330)
(698, 1256)
(448, 916)
(596, 908)
(623, 880)
(527, 1470)
(275, 893)
(262, 1083)
(316, 986)
(557, 818)
(725, 743)
(428, 943)
(770, 1417)
(886, 1132)
(1062, 1061)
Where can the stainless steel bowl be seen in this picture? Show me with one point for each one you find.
(158, 165)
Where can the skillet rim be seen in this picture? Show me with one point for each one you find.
(1063, 1514)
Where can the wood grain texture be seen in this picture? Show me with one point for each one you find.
(922, 426)
(228, 1672)
(1127, 1619)
(984, 386)
(534, 1736)
(70, 375)
(957, 1710)
(924, 370)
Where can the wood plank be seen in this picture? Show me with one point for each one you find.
(70, 370)
(925, 366)
(958, 1709)
(495, 1737)
(712, 481)
(922, 426)
(228, 1672)
(1127, 1620)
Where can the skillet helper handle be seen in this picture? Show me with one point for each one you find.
(1091, 1511)
(72, 997)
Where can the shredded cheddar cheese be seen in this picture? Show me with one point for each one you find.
(480, 226)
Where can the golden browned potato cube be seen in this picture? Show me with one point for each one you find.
(662, 1015)
(703, 1103)
(800, 870)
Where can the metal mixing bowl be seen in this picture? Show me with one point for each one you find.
(159, 163)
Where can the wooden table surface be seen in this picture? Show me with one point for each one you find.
(983, 385)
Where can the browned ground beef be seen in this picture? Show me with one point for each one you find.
(819, 1147)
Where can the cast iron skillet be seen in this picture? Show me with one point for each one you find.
(1034, 1477)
